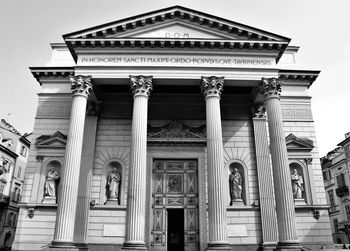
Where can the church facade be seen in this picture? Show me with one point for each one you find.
(173, 130)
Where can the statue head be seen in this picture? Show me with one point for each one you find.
(295, 171)
(114, 169)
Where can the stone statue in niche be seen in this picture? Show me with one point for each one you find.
(297, 184)
(235, 186)
(50, 186)
(113, 183)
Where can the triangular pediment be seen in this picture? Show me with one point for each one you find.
(178, 19)
(56, 140)
(300, 144)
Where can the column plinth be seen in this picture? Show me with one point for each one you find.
(287, 236)
(67, 198)
(141, 86)
(211, 89)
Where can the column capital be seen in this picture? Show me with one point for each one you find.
(141, 85)
(259, 112)
(81, 85)
(270, 87)
(212, 86)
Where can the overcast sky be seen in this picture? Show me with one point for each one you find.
(319, 27)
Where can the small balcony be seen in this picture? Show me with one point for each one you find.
(342, 191)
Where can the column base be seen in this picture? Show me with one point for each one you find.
(218, 246)
(61, 246)
(130, 246)
(268, 246)
(288, 246)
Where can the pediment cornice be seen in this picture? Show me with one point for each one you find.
(295, 143)
(230, 35)
(56, 140)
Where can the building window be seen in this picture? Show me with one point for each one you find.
(23, 151)
(347, 210)
(324, 175)
(329, 174)
(331, 197)
(19, 172)
(341, 180)
(335, 224)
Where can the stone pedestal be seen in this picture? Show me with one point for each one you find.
(67, 199)
(211, 89)
(287, 236)
(49, 200)
(141, 86)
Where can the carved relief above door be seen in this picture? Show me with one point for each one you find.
(175, 186)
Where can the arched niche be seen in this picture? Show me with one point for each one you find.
(300, 182)
(50, 180)
(112, 183)
(238, 179)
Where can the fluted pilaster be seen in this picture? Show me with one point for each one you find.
(267, 199)
(211, 89)
(67, 198)
(83, 203)
(141, 86)
(271, 89)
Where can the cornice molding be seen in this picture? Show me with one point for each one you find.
(299, 75)
(51, 72)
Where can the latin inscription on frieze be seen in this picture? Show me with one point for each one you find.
(168, 60)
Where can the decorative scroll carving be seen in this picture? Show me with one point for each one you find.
(212, 86)
(81, 85)
(141, 85)
(259, 112)
(177, 130)
(270, 87)
(175, 183)
(296, 113)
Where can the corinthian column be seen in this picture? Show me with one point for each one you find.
(287, 236)
(141, 87)
(211, 88)
(68, 192)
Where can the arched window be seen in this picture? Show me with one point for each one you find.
(238, 183)
(113, 187)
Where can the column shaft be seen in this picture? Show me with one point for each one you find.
(281, 174)
(67, 199)
(211, 89)
(137, 173)
(135, 232)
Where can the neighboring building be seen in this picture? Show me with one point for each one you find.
(14, 149)
(335, 167)
(178, 162)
